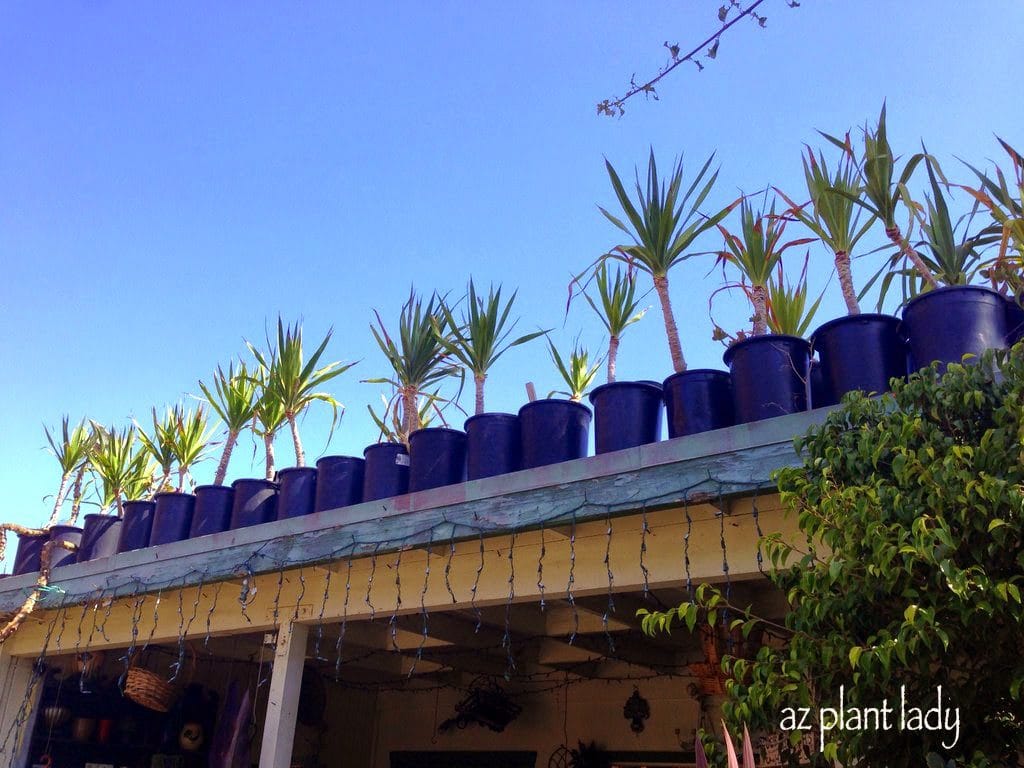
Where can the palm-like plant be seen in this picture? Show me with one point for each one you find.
(618, 308)
(663, 223)
(161, 443)
(191, 441)
(481, 335)
(268, 416)
(296, 380)
(122, 465)
(1006, 270)
(881, 195)
(390, 422)
(788, 311)
(578, 374)
(756, 252)
(418, 359)
(833, 218)
(233, 399)
(72, 453)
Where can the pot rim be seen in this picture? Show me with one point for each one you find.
(212, 486)
(262, 481)
(496, 415)
(340, 457)
(717, 373)
(763, 339)
(138, 502)
(386, 443)
(945, 289)
(100, 514)
(304, 470)
(649, 385)
(845, 319)
(64, 529)
(435, 430)
(549, 400)
(162, 494)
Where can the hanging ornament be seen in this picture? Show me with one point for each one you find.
(636, 710)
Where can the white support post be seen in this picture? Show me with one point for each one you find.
(283, 700)
(19, 698)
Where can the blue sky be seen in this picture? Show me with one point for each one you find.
(171, 178)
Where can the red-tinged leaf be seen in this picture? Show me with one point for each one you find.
(700, 757)
(748, 749)
(730, 751)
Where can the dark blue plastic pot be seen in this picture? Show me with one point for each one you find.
(858, 352)
(213, 510)
(820, 392)
(339, 482)
(492, 445)
(172, 519)
(770, 376)
(66, 533)
(626, 414)
(698, 400)
(26, 558)
(136, 525)
(1014, 320)
(255, 502)
(386, 472)
(437, 457)
(553, 431)
(100, 535)
(947, 323)
(296, 492)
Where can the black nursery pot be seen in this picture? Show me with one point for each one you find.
(255, 502)
(213, 510)
(947, 323)
(30, 548)
(769, 376)
(66, 533)
(492, 445)
(386, 472)
(858, 352)
(626, 414)
(172, 519)
(297, 492)
(136, 525)
(1014, 320)
(698, 400)
(339, 482)
(437, 457)
(553, 431)
(100, 535)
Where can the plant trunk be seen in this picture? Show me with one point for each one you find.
(674, 348)
(182, 471)
(59, 501)
(906, 249)
(410, 411)
(479, 380)
(268, 443)
(613, 353)
(846, 282)
(300, 455)
(120, 505)
(76, 496)
(759, 298)
(225, 457)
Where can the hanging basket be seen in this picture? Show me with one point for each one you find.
(148, 689)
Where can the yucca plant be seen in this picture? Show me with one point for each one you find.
(617, 307)
(1006, 270)
(161, 443)
(578, 374)
(233, 399)
(480, 335)
(788, 311)
(72, 453)
(296, 380)
(418, 359)
(663, 223)
(756, 252)
(191, 442)
(268, 416)
(123, 466)
(833, 218)
(390, 423)
(882, 195)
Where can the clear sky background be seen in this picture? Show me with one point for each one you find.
(174, 176)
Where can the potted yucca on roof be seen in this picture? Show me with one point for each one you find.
(555, 429)
(626, 413)
(664, 223)
(860, 351)
(476, 339)
(769, 372)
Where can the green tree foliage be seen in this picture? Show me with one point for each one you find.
(909, 571)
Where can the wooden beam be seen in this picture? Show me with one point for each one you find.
(19, 701)
(685, 471)
(283, 698)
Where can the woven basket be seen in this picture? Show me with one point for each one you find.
(148, 689)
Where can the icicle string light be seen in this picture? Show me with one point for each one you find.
(393, 621)
(476, 584)
(344, 620)
(369, 583)
(209, 615)
(320, 618)
(572, 580)
(644, 530)
(506, 640)
(686, 551)
(540, 569)
(424, 615)
(448, 570)
(610, 609)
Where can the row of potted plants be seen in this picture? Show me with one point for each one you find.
(773, 367)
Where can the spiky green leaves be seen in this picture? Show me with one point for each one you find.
(577, 374)
(122, 464)
(233, 397)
